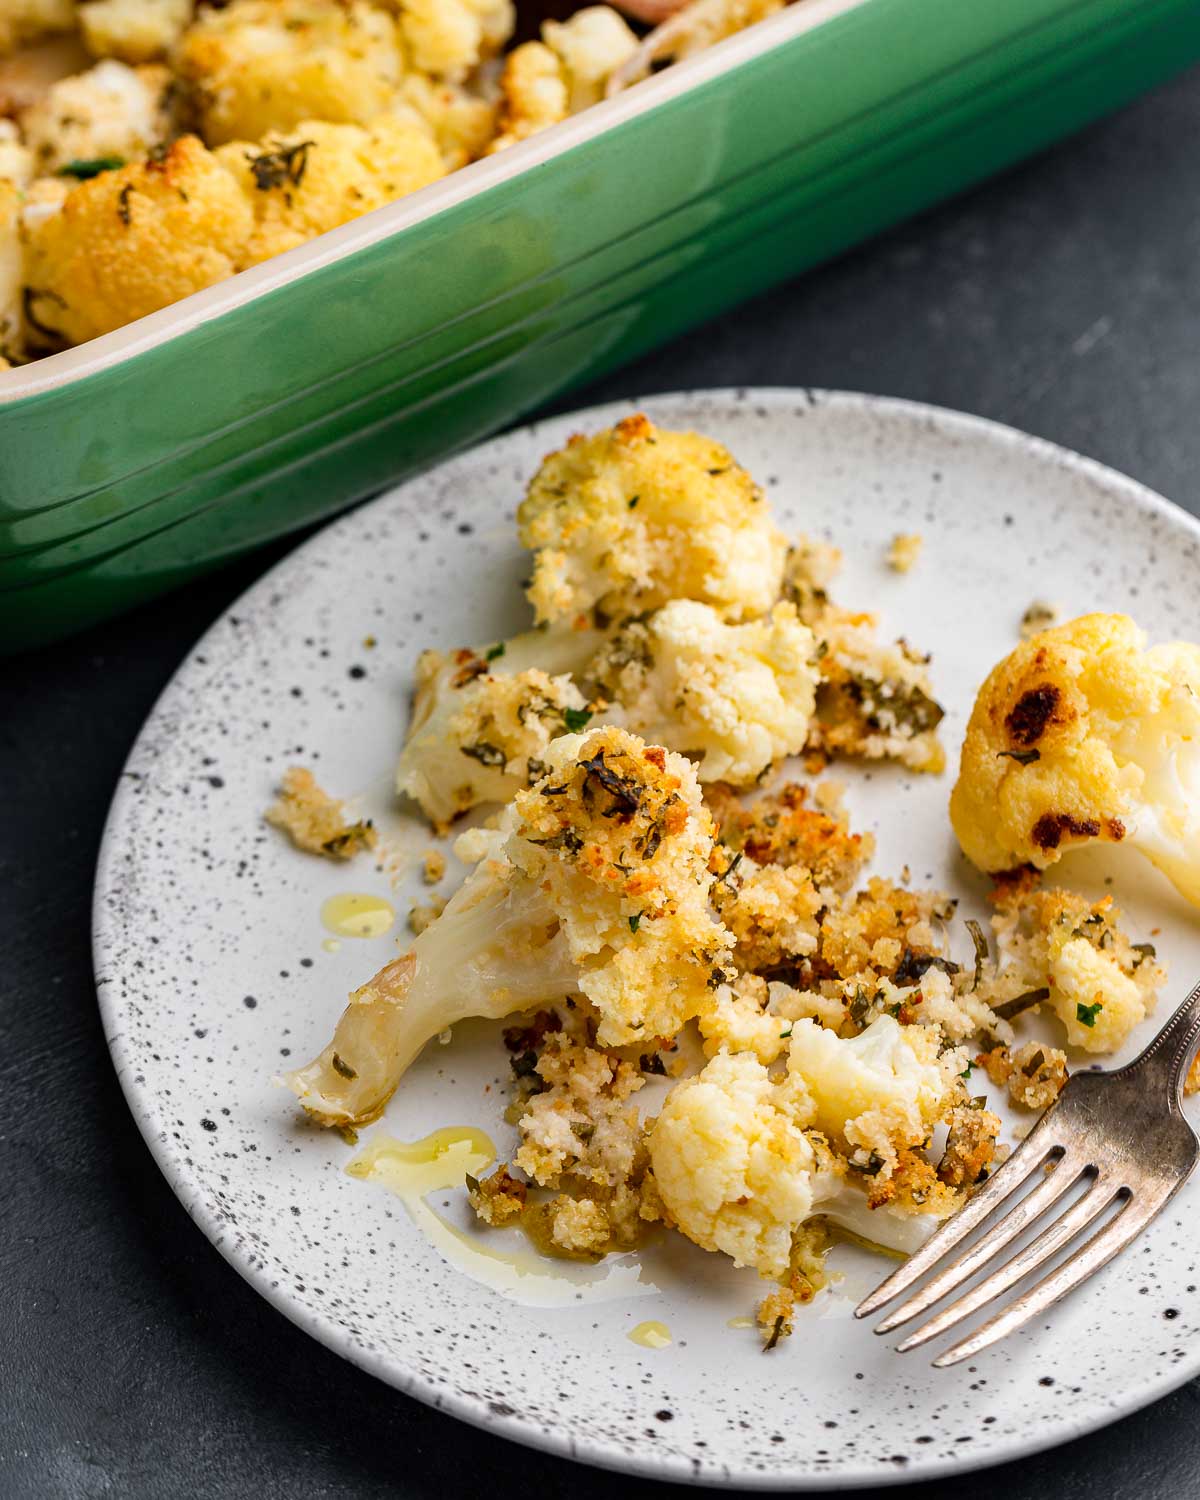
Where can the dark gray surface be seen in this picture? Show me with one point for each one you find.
(1063, 298)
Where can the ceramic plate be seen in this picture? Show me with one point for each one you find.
(215, 970)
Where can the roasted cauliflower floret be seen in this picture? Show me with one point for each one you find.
(739, 696)
(136, 31)
(876, 1094)
(533, 94)
(476, 737)
(450, 38)
(590, 46)
(597, 885)
(132, 241)
(733, 1166)
(318, 176)
(629, 519)
(24, 21)
(258, 66)
(112, 113)
(462, 123)
(1084, 734)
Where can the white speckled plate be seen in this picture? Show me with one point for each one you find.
(213, 974)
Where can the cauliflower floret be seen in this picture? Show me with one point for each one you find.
(533, 94)
(24, 21)
(268, 65)
(319, 176)
(1097, 1003)
(110, 113)
(596, 884)
(875, 1094)
(741, 696)
(740, 1021)
(449, 38)
(732, 1164)
(634, 517)
(476, 737)
(591, 45)
(1083, 734)
(16, 159)
(136, 31)
(462, 123)
(131, 241)
(12, 274)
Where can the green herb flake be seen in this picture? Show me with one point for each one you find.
(1022, 757)
(967, 1071)
(576, 719)
(472, 1183)
(90, 167)
(633, 502)
(784, 1035)
(1086, 1014)
(495, 653)
(344, 1068)
(635, 921)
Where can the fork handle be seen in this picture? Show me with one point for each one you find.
(1165, 1061)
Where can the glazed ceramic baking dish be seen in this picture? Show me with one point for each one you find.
(294, 389)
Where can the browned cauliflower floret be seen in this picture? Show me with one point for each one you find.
(134, 240)
(450, 38)
(631, 518)
(258, 66)
(533, 94)
(111, 113)
(318, 176)
(136, 31)
(27, 20)
(315, 821)
(462, 123)
(590, 46)
(1083, 734)
(596, 884)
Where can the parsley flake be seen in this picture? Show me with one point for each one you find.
(1087, 1013)
(576, 719)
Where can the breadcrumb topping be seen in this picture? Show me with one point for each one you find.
(315, 821)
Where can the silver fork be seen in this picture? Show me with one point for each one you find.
(1123, 1133)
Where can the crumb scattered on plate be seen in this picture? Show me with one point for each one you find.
(315, 821)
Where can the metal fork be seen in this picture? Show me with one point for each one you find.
(1120, 1133)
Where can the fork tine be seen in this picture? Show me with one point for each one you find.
(1024, 1161)
(1094, 1253)
(1052, 1238)
(1015, 1221)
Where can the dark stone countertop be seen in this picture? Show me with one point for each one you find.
(1063, 298)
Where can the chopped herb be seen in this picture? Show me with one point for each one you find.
(979, 1101)
(344, 1068)
(1012, 1008)
(729, 869)
(524, 1065)
(716, 473)
(535, 769)
(652, 1063)
(776, 1335)
(576, 719)
(495, 653)
(486, 754)
(91, 167)
(584, 1131)
(625, 792)
(273, 168)
(1022, 757)
(1034, 1063)
(966, 1072)
(783, 1035)
(1086, 1014)
(124, 212)
(633, 502)
(1144, 951)
(28, 297)
(635, 921)
(982, 951)
(859, 1006)
(912, 969)
(472, 1183)
(565, 839)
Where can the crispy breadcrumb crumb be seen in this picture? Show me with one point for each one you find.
(904, 551)
(315, 821)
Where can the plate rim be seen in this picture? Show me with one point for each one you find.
(189, 1189)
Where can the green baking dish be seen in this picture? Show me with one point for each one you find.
(294, 389)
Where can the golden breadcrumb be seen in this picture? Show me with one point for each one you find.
(315, 821)
(904, 551)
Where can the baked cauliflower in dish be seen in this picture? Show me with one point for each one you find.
(312, 179)
(134, 31)
(449, 38)
(256, 66)
(1081, 734)
(133, 240)
(739, 697)
(596, 885)
(110, 114)
(629, 519)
